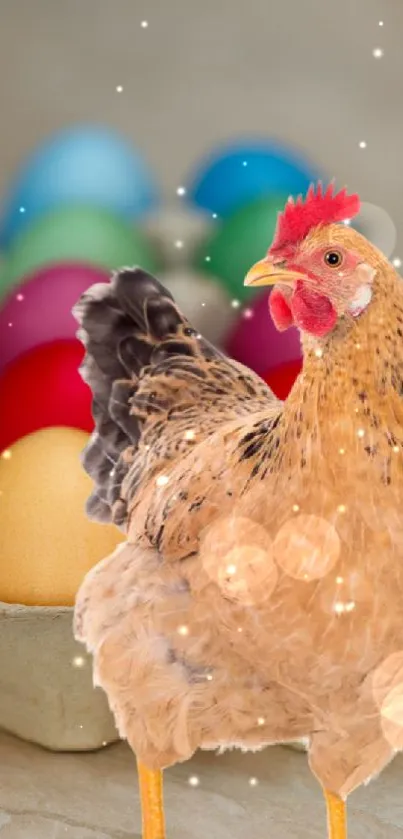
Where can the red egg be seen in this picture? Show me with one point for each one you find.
(281, 379)
(39, 310)
(255, 341)
(43, 388)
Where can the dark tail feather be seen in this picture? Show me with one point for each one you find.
(120, 325)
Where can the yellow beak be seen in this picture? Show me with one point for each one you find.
(268, 273)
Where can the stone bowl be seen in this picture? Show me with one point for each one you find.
(46, 690)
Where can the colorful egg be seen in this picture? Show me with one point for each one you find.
(38, 311)
(90, 165)
(47, 542)
(255, 341)
(43, 388)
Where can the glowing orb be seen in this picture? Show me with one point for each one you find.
(237, 554)
(306, 547)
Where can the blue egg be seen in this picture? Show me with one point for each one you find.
(83, 165)
(240, 173)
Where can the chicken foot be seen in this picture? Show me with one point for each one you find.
(152, 806)
(336, 816)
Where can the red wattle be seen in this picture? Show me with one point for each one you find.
(312, 312)
(280, 311)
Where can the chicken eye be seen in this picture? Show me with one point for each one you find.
(333, 258)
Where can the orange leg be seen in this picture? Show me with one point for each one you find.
(336, 816)
(152, 806)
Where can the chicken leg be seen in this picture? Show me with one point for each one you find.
(336, 816)
(152, 807)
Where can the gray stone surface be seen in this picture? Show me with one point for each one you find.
(45, 795)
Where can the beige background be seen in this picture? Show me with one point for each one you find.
(207, 70)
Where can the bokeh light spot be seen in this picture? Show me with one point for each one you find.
(237, 554)
(307, 547)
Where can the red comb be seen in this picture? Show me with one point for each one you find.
(301, 216)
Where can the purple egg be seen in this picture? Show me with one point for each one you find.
(39, 310)
(255, 341)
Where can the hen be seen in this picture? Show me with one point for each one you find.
(259, 595)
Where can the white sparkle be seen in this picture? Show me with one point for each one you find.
(194, 781)
(22, 210)
(78, 661)
(247, 314)
(119, 88)
(244, 163)
(253, 782)
(181, 190)
(342, 451)
(207, 259)
(347, 222)
(144, 24)
(341, 508)
(396, 449)
(380, 23)
(235, 304)
(362, 144)
(231, 570)
(358, 346)
(340, 607)
(189, 434)
(20, 297)
(318, 353)
(179, 243)
(360, 432)
(209, 677)
(377, 52)
(183, 630)
(339, 580)
(81, 726)
(261, 720)
(215, 215)
(162, 480)
(6, 455)
(397, 262)
(104, 743)
(239, 629)
(295, 508)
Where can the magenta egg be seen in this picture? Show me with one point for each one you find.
(39, 309)
(255, 341)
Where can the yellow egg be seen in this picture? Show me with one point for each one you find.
(47, 544)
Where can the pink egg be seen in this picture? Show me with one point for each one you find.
(255, 341)
(39, 310)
